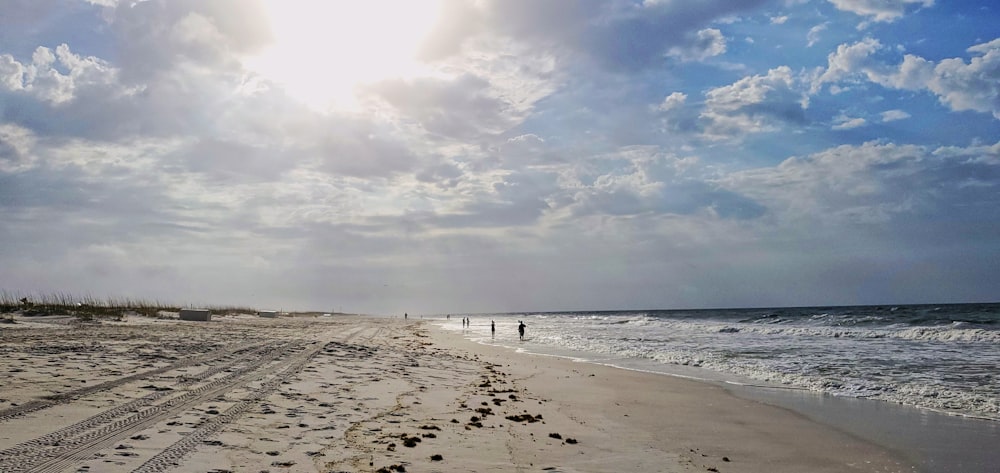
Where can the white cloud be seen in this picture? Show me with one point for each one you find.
(754, 104)
(464, 107)
(16, 148)
(893, 115)
(55, 76)
(11, 73)
(972, 85)
(812, 37)
(611, 36)
(526, 149)
(880, 10)
(848, 61)
(779, 20)
(676, 115)
(162, 39)
(643, 180)
(672, 102)
(958, 84)
(846, 123)
(706, 43)
(149, 168)
(872, 182)
(913, 73)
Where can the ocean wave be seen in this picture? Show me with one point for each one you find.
(926, 396)
(955, 333)
(902, 358)
(845, 381)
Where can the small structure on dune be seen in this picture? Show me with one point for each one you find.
(268, 313)
(197, 315)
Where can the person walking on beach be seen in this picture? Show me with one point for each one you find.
(520, 328)
(493, 329)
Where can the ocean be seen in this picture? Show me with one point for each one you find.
(943, 358)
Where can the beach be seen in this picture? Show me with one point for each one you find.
(355, 393)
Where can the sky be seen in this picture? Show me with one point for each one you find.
(492, 156)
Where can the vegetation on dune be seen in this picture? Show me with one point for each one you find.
(92, 308)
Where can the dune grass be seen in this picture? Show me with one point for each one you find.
(89, 307)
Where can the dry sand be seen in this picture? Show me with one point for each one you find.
(359, 394)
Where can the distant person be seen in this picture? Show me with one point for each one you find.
(405, 316)
(493, 328)
(520, 328)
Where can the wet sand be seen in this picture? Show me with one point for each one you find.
(332, 394)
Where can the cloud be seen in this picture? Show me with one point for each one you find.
(972, 85)
(56, 77)
(552, 149)
(527, 149)
(874, 183)
(812, 37)
(849, 61)
(880, 10)
(676, 115)
(616, 37)
(516, 199)
(705, 44)
(646, 181)
(160, 38)
(893, 115)
(846, 123)
(465, 107)
(16, 148)
(754, 104)
(359, 150)
(61, 93)
(672, 102)
(958, 84)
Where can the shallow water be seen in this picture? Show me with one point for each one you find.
(935, 367)
(945, 357)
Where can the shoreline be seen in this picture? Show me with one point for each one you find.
(934, 440)
(354, 393)
(716, 423)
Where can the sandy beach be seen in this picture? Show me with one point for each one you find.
(363, 394)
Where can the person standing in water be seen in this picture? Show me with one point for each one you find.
(520, 328)
(493, 329)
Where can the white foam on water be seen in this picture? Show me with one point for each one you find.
(950, 367)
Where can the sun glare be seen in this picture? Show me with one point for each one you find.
(323, 49)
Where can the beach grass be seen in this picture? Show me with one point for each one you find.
(91, 308)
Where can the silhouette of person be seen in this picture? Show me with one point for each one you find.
(493, 328)
(520, 328)
(405, 315)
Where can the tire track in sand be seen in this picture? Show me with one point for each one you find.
(170, 456)
(57, 451)
(61, 398)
